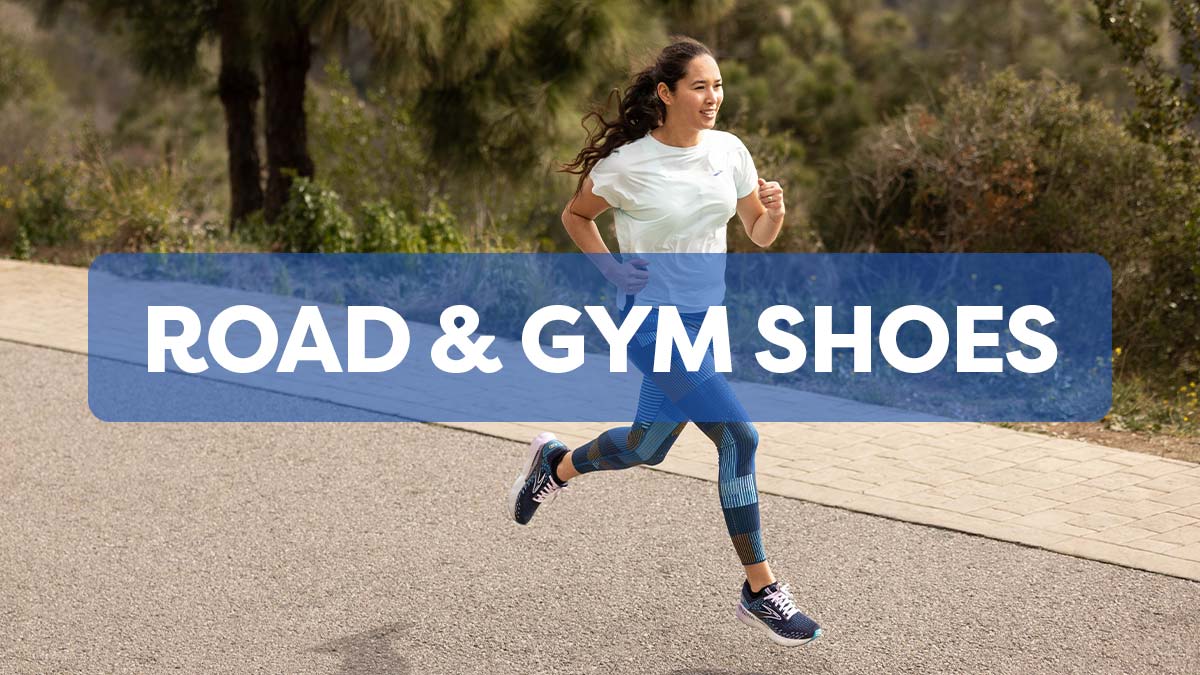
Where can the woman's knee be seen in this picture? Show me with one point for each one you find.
(732, 435)
(659, 454)
(652, 454)
(745, 437)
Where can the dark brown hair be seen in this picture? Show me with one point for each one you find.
(641, 109)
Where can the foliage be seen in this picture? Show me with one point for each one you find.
(1143, 404)
(1037, 38)
(21, 76)
(435, 127)
(313, 221)
(502, 86)
(1013, 165)
(439, 231)
(96, 203)
(162, 37)
(44, 213)
(126, 207)
(30, 101)
(367, 147)
(388, 230)
(1167, 115)
(1168, 100)
(384, 229)
(794, 77)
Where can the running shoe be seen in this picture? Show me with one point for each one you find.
(774, 612)
(536, 484)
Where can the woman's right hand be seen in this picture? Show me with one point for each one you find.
(630, 276)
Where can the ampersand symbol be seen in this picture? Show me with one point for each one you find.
(473, 351)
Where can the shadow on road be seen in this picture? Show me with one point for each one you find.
(370, 652)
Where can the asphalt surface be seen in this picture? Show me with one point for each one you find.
(382, 548)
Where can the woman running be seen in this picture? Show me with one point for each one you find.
(675, 182)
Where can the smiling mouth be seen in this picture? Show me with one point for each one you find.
(709, 113)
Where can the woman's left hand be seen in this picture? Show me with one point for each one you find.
(771, 196)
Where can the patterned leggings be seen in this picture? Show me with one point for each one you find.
(666, 404)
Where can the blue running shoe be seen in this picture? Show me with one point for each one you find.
(536, 484)
(774, 611)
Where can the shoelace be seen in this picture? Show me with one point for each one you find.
(782, 598)
(548, 491)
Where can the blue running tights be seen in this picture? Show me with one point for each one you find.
(666, 403)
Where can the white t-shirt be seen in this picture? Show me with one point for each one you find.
(669, 199)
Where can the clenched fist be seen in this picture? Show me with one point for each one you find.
(771, 196)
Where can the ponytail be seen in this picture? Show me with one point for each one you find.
(640, 111)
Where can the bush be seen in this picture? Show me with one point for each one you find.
(1141, 404)
(313, 221)
(366, 146)
(21, 75)
(439, 231)
(95, 203)
(128, 208)
(32, 106)
(43, 209)
(1013, 165)
(388, 230)
(384, 230)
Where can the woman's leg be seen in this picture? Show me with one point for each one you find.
(736, 441)
(655, 427)
(704, 397)
(666, 402)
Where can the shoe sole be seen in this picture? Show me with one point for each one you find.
(535, 456)
(747, 617)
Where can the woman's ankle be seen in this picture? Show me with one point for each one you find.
(759, 576)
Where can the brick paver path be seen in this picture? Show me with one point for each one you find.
(1085, 500)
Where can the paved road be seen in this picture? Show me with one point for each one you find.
(1076, 498)
(381, 548)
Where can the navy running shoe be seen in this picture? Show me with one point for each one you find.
(774, 611)
(536, 484)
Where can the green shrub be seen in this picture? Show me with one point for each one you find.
(313, 221)
(43, 208)
(439, 230)
(21, 75)
(31, 104)
(1014, 165)
(130, 209)
(95, 203)
(385, 229)
(1141, 404)
(365, 145)
(22, 249)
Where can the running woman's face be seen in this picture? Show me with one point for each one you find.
(697, 96)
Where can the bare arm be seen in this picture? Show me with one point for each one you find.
(761, 212)
(579, 219)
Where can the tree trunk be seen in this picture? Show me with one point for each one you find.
(237, 86)
(287, 55)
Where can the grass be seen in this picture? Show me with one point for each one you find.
(1148, 415)
(1143, 404)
